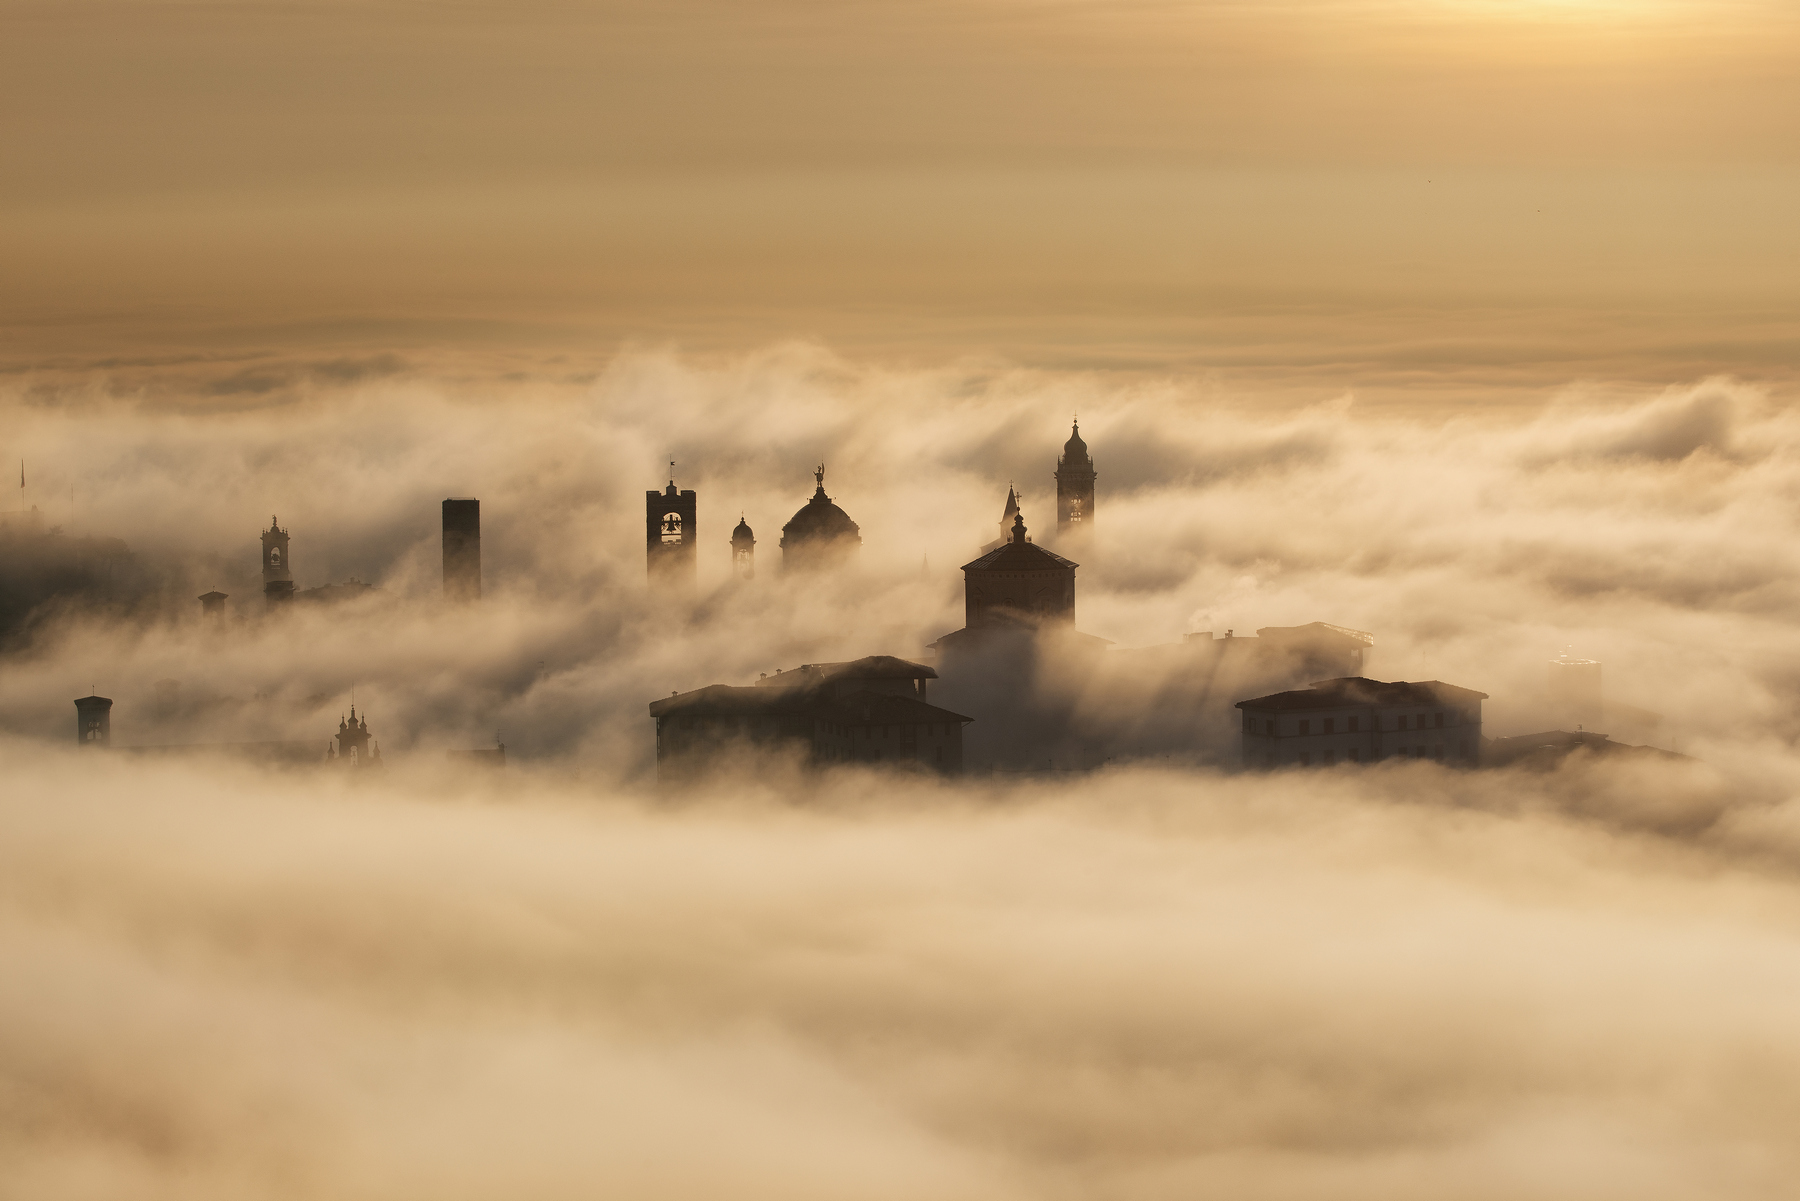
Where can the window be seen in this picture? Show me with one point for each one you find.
(1306, 760)
(1353, 724)
(1437, 719)
(1270, 727)
(1306, 727)
(1330, 725)
(1330, 758)
(1404, 722)
(1355, 753)
(1074, 509)
(671, 527)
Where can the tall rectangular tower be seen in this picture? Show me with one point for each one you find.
(1075, 491)
(462, 549)
(672, 537)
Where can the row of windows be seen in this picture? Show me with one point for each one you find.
(728, 725)
(1352, 725)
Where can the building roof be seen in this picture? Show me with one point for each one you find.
(870, 667)
(743, 527)
(862, 708)
(1075, 451)
(819, 519)
(1020, 555)
(214, 593)
(1355, 690)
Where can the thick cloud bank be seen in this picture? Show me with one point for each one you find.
(1408, 983)
(1398, 982)
(1653, 532)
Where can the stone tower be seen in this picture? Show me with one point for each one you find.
(743, 551)
(1075, 489)
(278, 580)
(462, 549)
(672, 536)
(93, 721)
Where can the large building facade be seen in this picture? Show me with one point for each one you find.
(1019, 584)
(870, 711)
(1356, 720)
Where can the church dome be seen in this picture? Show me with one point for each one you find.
(743, 531)
(820, 534)
(1075, 450)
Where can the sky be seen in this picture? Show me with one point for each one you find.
(1447, 195)
(1467, 323)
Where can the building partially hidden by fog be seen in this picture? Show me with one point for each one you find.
(821, 536)
(93, 720)
(278, 576)
(672, 537)
(743, 551)
(462, 548)
(872, 710)
(1074, 490)
(1357, 720)
(1006, 521)
(355, 747)
(212, 604)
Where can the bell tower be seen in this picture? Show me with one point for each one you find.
(672, 536)
(1075, 489)
(278, 580)
(743, 551)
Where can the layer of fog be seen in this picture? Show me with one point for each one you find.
(1650, 531)
(1400, 983)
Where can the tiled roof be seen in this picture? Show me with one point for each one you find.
(1355, 690)
(1019, 556)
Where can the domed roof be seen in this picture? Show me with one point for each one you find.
(743, 527)
(1075, 448)
(819, 520)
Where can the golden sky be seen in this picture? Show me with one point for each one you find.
(1552, 188)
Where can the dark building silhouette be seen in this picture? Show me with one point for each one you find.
(1020, 583)
(672, 536)
(821, 536)
(871, 710)
(462, 549)
(40, 562)
(278, 577)
(493, 759)
(93, 721)
(1356, 720)
(743, 551)
(1074, 489)
(212, 604)
(355, 747)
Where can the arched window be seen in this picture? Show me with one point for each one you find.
(671, 527)
(275, 555)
